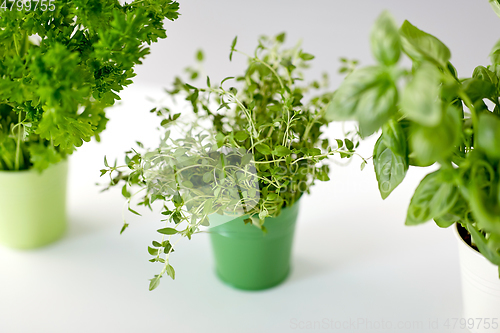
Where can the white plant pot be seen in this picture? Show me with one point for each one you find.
(480, 289)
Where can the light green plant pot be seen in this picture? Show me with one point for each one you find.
(246, 258)
(33, 206)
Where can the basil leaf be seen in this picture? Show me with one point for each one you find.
(478, 89)
(421, 46)
(446, 220)
(455, 215)
(395, 138)
(343, 105)
(433, 198)
(495, 53)
(482, 245)
(421, 100)
(377, 106)
(433, 144)
(390, 168)
(495, 4)
(485, 74)
(483, 199)
(488, 134)
(385, 40)
(367, 95)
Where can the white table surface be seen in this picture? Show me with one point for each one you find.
(354, 260)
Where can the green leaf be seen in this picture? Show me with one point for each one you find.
(133, 211)
(314, 151)
(483, 201)
(208, 177)
(455, 215)
(343, 105)
(390, 168)
(125, 225)
(187, 184)
(281, 37)
(125, 193)
(323, 173)
(171, 272)
(421, 46)
(219, 137)
(495, 54)
(208, 207)
(488, 134)
(435, 144)
(205, 222)
(152, 251)
(42, 156)
(176, 217)
(177, 199)
(271, 196)
(306, 56)
(233, 44)
(482, 245)
(495, 5)
(385, 40)
(348, 144)
(434, 196)
(246, 159)
(225, 79)
(167, 247)
(167, 231)
(241, 136)
(443, 222)
(421, 100)
(155, 282)
(368, 95)
(395, 138)
(484, 74)
(263, 149)
(281, 151)
(199, 55)
(477, 89)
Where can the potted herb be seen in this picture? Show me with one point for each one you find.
(430, 116)
(61, 64)
(237, 162)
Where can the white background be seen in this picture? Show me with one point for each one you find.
(354, 259)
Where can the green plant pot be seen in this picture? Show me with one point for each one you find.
(33, 206)
(246, 258)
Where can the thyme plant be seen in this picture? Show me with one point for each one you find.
(254, 145)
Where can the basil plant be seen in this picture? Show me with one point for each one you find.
(428, 115)
(61, 65)
(248, 146)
